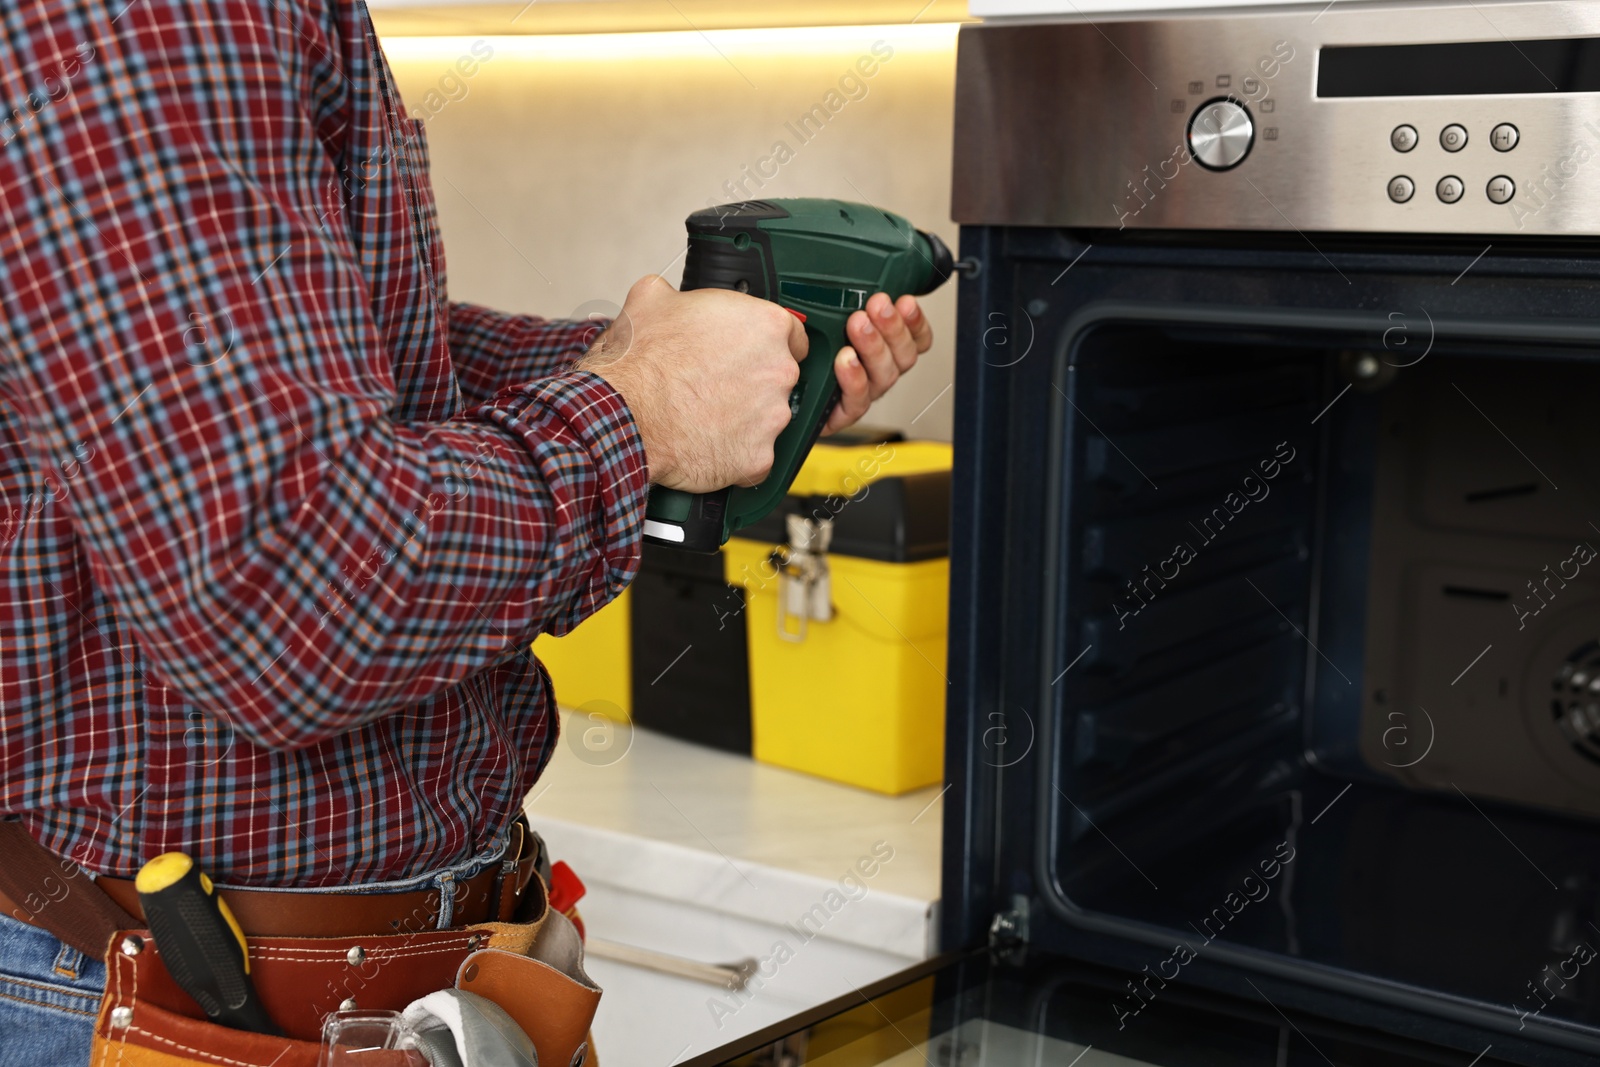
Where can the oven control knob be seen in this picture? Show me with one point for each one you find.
(1220, 134)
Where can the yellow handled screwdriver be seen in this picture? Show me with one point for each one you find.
(200, 941)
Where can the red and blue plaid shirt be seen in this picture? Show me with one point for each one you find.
(277, 522)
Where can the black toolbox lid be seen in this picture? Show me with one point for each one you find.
(894, 518)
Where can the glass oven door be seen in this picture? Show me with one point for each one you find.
(1030, 1010)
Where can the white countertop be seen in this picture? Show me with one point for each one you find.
(658, 816)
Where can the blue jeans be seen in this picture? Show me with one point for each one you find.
(50, 994)
(49, 997)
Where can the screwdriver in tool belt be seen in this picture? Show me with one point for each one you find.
(200, 941)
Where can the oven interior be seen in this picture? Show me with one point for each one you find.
(1326, 652)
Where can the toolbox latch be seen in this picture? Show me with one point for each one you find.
(805, 592)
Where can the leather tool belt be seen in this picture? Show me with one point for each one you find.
(505, 943)
(492, 895)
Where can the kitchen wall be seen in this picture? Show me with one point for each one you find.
(564, 165)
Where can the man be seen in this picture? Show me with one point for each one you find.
(278, 523)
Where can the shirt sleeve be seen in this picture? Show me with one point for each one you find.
(290, 555)
(492, 349)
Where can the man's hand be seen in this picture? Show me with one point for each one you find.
(885, 341)
(707, 375)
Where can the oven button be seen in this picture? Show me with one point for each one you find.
(1504, 137)
(1400, 189)
(1220, 134)
(1453, 137)
(1501, 189)
(1404, 138)
(1450, 189)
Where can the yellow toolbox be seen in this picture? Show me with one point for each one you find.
(590, 665)
(847, 597)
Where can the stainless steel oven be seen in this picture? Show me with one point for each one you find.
(1274, 727)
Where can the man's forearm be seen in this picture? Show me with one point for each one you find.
(492, 349)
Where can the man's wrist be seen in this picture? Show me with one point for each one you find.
(623, 377)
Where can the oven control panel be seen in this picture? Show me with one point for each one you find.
(1477, 118)
(1450, 188)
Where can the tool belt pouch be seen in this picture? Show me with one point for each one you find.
(533, 969)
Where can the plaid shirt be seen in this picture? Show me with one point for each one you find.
(277, 522)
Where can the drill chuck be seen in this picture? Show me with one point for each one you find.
(944, 263)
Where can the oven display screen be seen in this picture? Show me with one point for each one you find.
(1477, 68)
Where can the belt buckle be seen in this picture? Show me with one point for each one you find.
(516, 870)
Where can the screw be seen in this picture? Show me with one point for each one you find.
(355, 956)
(132, 945)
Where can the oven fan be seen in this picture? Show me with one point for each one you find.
(1576, 704)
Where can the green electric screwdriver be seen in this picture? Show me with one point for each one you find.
(823, 259)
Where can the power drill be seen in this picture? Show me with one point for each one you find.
(823, 259)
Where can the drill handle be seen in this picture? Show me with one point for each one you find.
(690, 521)
(702, 522)
(699, 522)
